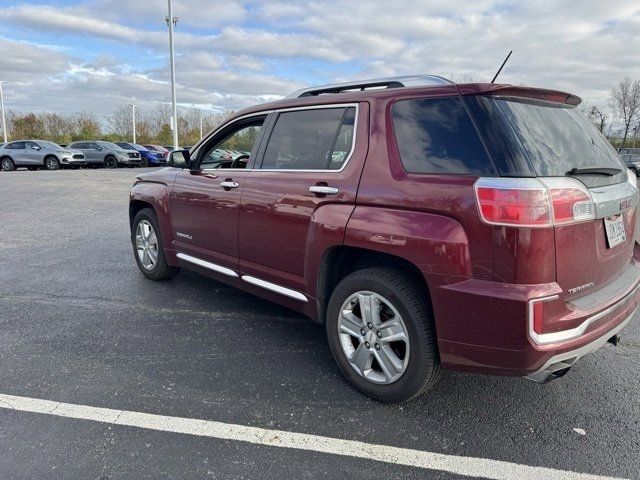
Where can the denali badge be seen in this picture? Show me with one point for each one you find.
(184, 235)
(580, 288)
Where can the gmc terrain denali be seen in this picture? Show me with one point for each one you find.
(478, 227)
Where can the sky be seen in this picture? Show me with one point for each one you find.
(92, 55)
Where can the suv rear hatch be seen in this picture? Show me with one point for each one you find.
(540, 135)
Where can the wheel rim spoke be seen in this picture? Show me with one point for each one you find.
(361, 359)
(373, 337)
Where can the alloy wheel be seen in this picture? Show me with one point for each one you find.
(7, 165)
(146, 245)
(373, 337)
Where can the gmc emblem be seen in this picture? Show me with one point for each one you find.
(624, 204)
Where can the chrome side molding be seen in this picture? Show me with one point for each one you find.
(203, 263)
(287, 292)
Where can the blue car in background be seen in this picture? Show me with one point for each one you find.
(149, 158)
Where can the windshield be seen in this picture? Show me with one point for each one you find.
(138, 146)
(50, 145)
(109, 145)
(558, 138)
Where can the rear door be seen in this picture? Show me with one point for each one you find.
(17, 152)
(562, 145)
(311, 160)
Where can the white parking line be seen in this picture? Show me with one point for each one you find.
(469, 466)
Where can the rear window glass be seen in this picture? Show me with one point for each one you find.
(437, 136)
(557, 138)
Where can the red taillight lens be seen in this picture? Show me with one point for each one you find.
(571, 205)
(514, 206)
(533, 202)
(538, 317)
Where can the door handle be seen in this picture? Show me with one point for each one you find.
(229, 184)
(323, 190)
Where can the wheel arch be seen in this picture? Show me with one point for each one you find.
(342, 260)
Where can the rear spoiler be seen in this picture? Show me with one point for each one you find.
(514, 91)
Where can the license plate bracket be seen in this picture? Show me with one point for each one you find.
(615, 232)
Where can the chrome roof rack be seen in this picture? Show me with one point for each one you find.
(372, 84)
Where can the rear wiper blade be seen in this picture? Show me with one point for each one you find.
(595, 170)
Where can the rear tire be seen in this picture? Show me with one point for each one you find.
(145, 233)
(111, 162)
(403, 310)
(144, 163)
(7, 165)
(52, 163)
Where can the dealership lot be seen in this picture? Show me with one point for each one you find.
(80, 325)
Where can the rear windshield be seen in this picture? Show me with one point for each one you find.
(553, 139)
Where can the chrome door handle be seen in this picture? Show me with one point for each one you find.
(229, 184)
(321, 189)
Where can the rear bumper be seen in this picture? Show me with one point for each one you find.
(486, 327)
(563, 361)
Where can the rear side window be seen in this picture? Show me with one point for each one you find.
(15, 146)
(314, 139)
(437, 136)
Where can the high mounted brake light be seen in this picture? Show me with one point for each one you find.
(533, 202)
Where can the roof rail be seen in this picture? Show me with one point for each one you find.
(375, 83)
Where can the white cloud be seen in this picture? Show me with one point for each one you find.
(234, 53)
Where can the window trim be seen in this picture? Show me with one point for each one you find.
(313, 107)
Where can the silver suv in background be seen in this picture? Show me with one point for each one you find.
(106, 153)
(36, 154)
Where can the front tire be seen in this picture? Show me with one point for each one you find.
(7, 165)
(382, 335)
(111, 162)
(148, 247)
(52, 163)
(144, 163)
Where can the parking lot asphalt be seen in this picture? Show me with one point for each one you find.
(79, 324)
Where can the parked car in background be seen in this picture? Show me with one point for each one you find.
(478, 227)
(149, 158)
(36, 154)
(110, 155)
(634, 151)
(159, 149)
(632, 161)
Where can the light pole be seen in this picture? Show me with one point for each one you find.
(133, 120)
(171, 22)
(201, 117)
(4, 119)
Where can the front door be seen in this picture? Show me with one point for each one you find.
(205, 200)
(311, 161)
(33, 154)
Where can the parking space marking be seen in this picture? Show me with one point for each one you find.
(467, 466)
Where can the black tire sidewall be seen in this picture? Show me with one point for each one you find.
(111, 162)
(160, 268)
(56, 164)
(11, 163)
(423, 356)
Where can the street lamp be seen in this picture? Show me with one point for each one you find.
(201, 117)
(133, 120)
(4, 119)
(172, 22)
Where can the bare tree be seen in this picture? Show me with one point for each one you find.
(625, 103)
(596, 115)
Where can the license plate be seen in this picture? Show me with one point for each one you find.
(615, 230)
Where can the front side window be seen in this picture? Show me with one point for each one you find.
(234, 148)
(436, 136)
(313, 139)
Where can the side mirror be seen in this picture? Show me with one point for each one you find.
(99, 148)
(35, 147)
(179, 159)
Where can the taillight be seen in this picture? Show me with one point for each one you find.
(533, 202)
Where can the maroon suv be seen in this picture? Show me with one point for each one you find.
(478, 227)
